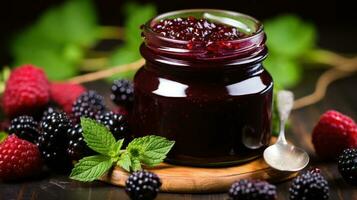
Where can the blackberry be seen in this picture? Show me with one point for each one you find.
(25, 127)
(116, 123)
(252, 189)
(123, 93)
(142, 185)
(48, 111)
(347, 165)
(89, 104)
(77, 147)
(53, 140)
(310, 185)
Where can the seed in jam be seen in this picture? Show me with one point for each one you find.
(196, 30)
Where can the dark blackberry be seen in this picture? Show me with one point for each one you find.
(89, 104)
(310, 185)
(142, 185)
(116, 123)
(77, 147)
(48, 111)
(123, 93)
(25, 127)
(53, 140)
(347, 165)
(252, 189)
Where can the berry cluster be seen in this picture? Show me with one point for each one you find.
(45, 121)
(310, 185)
(335, 137)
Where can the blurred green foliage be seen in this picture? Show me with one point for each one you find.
(136, 15)
(289, 40)
(58, 39)
(3, 136)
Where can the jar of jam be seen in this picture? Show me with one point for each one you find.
(204, 86)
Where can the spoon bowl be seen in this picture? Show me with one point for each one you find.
(286, 157)
(282, 155)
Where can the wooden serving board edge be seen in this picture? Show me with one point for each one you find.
(207, 184)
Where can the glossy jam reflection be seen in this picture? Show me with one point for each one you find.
(218, 110)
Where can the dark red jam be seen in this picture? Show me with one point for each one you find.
(216, 104)
(192, 29)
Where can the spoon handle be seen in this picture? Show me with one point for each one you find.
(285, 104)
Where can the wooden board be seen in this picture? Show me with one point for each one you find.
(185, 179)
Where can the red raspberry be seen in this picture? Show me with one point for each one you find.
(64, 94)
(27, 91)
(333, 133)
(120, 110)
(18, 159)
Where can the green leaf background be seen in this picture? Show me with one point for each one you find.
(136, 15)
(289, 39)
(58, 39)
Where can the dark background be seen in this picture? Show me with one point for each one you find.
(336, 20)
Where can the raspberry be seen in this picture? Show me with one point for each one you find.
(25, 127)
(333, 133)
(117, 124)
(64, 94)
(123, 93)
(142, 185)
(309, 186)
(53, 140)
(18, 159)
(89, 104)
(252, 189)
(347, 165)
(120, 110)
(77, 147)
(26, 92)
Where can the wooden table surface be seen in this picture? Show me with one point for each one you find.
(341, 96)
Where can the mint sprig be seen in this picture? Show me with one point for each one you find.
(97, 136)
(90, 168)
(149, 151)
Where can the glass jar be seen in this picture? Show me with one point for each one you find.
(216, 104)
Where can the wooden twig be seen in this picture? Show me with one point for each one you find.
(107, 72)
(322, 84)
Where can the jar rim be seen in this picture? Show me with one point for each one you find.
(253, 42)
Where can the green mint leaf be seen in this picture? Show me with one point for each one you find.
(125, 161)
(288, 35)
(156, 150)
(97, 136)
(150, 150)
(115, 148)
(136, 165)
(91, 168)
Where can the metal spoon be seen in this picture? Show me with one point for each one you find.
(283, 156)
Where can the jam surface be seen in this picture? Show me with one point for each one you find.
(193, 29)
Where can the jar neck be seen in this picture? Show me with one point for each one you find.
(176, 63)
